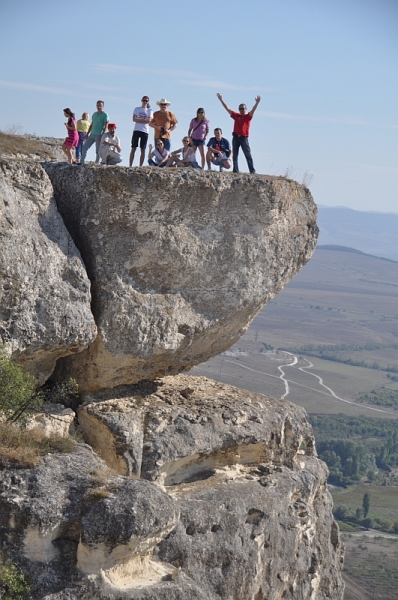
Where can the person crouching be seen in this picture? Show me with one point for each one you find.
(110, 147)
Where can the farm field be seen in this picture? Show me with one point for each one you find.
(371, 567)
(338, 299)
(383, 505)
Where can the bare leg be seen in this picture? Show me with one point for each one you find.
(209, 156)
(142, 157)
(202, 156)
(227, 164)
(132, 157)
(68, 152)
(170, 161)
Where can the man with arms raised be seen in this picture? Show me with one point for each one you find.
(95, 131)
(141, 117)
(240, 136)
(219, 151)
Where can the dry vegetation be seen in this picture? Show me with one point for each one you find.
(16, 146)
(23, 449)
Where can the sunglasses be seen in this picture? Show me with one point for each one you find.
(242, 107)
(163, 105)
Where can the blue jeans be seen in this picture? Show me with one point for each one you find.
(87, 145)
(240, 141)
(152, 163)
(79, 147)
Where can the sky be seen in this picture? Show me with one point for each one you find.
(326, 71)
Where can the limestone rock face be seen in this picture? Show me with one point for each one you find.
(230, 501)
(180, 262)
(44, 290)
(55, 420)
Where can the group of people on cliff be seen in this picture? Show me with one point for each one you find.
(217, 151)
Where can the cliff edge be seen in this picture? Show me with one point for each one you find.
(184, 488)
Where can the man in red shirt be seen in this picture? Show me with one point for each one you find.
(240, 135)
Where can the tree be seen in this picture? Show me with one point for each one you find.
(17, 389)
(371, 475)
(366, 504)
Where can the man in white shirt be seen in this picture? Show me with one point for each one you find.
(141, 117)
(110, 147)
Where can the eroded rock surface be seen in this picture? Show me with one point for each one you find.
(44, 290)
(230, 502)
(180, 262)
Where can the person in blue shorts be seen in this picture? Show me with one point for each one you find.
(219, 151)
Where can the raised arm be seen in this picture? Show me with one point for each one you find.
(223, 103)
(257, 102)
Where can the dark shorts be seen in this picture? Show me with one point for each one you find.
(142, 137)
(198, 142)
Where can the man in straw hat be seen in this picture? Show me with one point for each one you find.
(164, 122)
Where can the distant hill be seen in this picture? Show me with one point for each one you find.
(371, 232)
(335, 248)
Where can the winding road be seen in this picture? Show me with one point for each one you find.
(327, 391)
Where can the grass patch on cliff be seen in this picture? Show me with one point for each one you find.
(23, 449)
(13, 585)
(11, 144)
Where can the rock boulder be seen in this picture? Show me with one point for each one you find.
(180, 262)
(230, 501)
(44, 289)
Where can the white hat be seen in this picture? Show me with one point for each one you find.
(163, 101)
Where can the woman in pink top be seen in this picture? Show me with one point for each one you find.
(73, 137)
(198, 130)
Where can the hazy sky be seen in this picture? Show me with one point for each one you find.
(326, 70)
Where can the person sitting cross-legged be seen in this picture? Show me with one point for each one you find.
(187, 156)
(158, 156)
(218, 151)
(110, 147)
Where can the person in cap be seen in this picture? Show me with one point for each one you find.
(164, 122)
(141, 117)
(240, 135)
(110, 147)
(95, 131)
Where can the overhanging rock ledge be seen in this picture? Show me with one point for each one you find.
(179, 261)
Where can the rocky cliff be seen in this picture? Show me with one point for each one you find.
(184, 488)
(180, 262)
(197, 490)
(44, 289)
